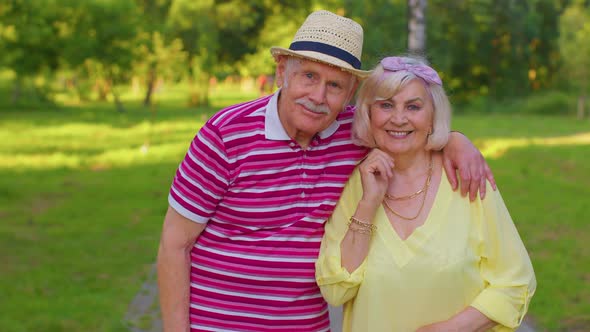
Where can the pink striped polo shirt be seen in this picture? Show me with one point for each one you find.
(265, 201)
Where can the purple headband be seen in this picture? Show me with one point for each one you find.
(394, 63)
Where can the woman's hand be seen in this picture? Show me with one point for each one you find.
(468, 320)
(437, 327)
(376, 170)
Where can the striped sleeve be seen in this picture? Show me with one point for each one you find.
(202, 178)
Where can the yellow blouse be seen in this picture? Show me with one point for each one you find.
(465, 254)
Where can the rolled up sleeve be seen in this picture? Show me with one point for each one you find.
(336, 284)
(505, 267)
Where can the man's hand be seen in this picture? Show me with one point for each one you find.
(460, 154)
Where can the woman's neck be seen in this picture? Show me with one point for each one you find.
(412, 165)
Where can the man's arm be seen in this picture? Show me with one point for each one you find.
(178, 237)
(460, 154)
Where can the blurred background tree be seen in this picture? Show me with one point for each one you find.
(485, 49)
(574, 47)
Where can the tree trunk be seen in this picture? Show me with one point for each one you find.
(199, 91)
(417, 26)
(151, 83)
(581, 101)
(103, 88)
(117, 100)
(16, 90)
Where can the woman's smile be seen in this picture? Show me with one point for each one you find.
(398, 134)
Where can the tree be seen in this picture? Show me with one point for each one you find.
(156, 59)
(32, 38)
(574, 46)
(221, 36)
(158, 50)
(280, 25)
(101, 43)
(417, 26)
(193, 22)
(384, 24)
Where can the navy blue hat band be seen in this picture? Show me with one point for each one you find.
(328, 50)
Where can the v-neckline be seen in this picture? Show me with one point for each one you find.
(404, 250)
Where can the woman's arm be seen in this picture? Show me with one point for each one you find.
(504, 265)
(355, 245)
(340, 265)
(468, 320)
(375, 173)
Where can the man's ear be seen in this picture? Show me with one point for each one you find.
(280, 70)
(353, 90)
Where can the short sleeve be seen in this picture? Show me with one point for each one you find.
(505, 267)
(202, 177)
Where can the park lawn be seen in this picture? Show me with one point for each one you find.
(83, 193)
(545, 182)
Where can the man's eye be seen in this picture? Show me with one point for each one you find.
(334, 85)
(309, 75)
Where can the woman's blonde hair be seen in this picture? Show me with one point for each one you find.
(382, 85)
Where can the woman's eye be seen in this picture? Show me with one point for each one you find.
(413, 107)
(309, 75)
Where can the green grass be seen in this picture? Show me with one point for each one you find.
(83, 193)
(541, 165)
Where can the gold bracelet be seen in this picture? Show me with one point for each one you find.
(360, 230)
(363, 224)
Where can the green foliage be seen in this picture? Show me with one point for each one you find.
(498, 48)
(554, 103)
(574, 46)
(31, 36)
(385, 28)
(501, 49)
(31, 40)
(158, 60)
(279, 28)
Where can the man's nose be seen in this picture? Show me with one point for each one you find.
(318, 94)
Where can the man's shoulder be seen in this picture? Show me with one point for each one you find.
(347, 114)
(237, 112)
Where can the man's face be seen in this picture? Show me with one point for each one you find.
(312, 96)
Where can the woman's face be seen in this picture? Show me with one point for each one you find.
(401, 125)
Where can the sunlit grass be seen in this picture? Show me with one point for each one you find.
(79, 145)
(495, 148)
(140, 137)
(83, 193)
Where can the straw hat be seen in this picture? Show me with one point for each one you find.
(328, 38)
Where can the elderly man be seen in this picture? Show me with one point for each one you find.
(249, 200)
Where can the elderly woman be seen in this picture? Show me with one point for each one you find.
(403, 251)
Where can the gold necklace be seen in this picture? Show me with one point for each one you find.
(426, 184)
(423, 190)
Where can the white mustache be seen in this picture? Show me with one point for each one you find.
(322, 109)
